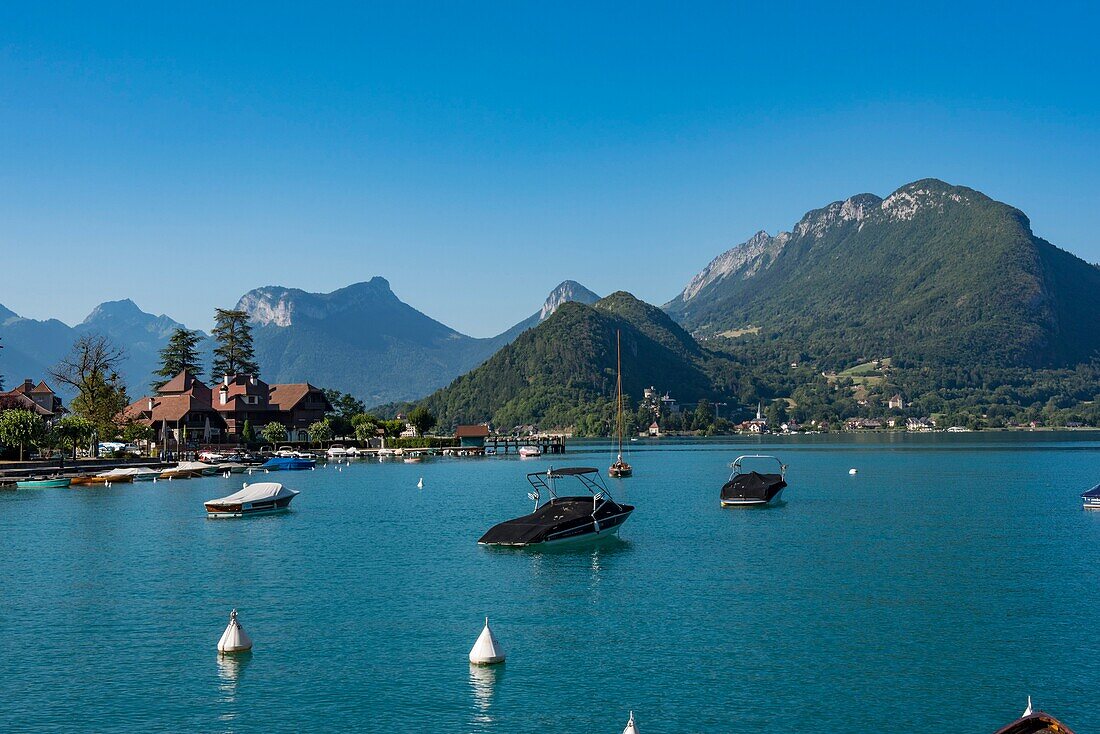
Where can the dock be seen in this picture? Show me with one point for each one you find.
(548, 443)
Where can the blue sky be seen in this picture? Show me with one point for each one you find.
(477, 155)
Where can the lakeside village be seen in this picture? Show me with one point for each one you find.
(184, 416)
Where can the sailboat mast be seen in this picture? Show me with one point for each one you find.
(619, 388)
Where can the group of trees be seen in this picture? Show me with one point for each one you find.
(234, 353)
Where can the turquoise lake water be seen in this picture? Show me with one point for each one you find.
(951, 578)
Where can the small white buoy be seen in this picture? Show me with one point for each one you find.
(630, 728)
(1027, 711)
(155, 480)
(853, 471)
(420, 484)
(487, 650)
(234, 639)
(249, 472)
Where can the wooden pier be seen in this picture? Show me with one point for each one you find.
(548, 443)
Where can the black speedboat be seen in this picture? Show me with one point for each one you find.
(753, 489)
(563, 519)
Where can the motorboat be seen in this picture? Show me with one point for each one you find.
(42, 483)
(261, 498)
(212, 457)
(562, 519)
(232, 467)
(1092, 498)
(336, 451)
(753, 489)
(529, 452)
(353, 452)
(189, 469)
(288, 463)
(130, 474)
(287, 452)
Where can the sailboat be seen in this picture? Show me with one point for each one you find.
(620, 468)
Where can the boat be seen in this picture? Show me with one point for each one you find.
(42, 483)
(336, 451)
(231, 467)
(413, 459)
(189, 469)
(281, 463)
(562, 519)
(529, 452)
(353, 452)
(619, 469)
(753, 489)
(261, 498)
(1035, 722)
(116, 476)
(1092, 498)
(130, 474)
(87, 479)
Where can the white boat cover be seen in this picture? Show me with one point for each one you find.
(128, 472)
(192, 466)
(258, 492)
(487, 650)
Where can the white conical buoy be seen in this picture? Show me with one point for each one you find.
(1027, 711)
(630, 728)
(420, 484)
(486, 651)
(234, 639)
(853, 471)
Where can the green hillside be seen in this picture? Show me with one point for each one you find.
(563, 370)
(933, 274)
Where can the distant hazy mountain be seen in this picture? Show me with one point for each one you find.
(933, 273)
(32, 347)
(555, 372)
(364, 340)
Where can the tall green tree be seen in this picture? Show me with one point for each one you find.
(73, 432)
(320, 431)
(344, 405)
(422, 420)
(274, 433)
(179, 354)
(234, 354)
(91, 369)
(21, 428)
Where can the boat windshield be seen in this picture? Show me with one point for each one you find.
(589, 478)
(737, 464)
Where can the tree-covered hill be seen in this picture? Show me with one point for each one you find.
(563, 371)
(934, 274)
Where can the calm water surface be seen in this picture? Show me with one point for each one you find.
(953, 576)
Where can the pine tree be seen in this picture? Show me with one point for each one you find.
(234, 354)
(181, 353)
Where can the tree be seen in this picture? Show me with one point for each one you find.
(393, 428)
(21, 428)
(248, 433)
(273, 433)
(91, 368)
(73, 432)
(179, 354)
(704, 416)
(234, 354)
(422, 420)
(320, 432)
(365, 426)
(344, 405)
(135, 432)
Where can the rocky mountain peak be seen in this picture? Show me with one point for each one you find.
(566, 291)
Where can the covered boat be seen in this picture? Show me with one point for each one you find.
(260, 498)
(129, 474)
(288, 463)
(189, 469)
(753, 489)
(563, 519)
(1092, 498)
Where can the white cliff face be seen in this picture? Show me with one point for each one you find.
(855, 209)
(279, 306)
(904, 204)
(564, 293)
(748, 258)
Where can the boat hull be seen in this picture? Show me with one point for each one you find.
(753, 502)
(248, 509)
(522, 533)
(43, 484)
(620, 471)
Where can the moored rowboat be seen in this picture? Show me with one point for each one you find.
(42, 483)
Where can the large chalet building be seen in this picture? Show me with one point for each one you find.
(186, 409)
(39, 399)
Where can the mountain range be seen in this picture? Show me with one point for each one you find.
(931, 275)
(361, 339)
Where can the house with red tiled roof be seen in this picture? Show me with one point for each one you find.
(186, 408)
(37, 398)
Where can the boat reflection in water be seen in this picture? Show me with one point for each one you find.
(483, 682)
